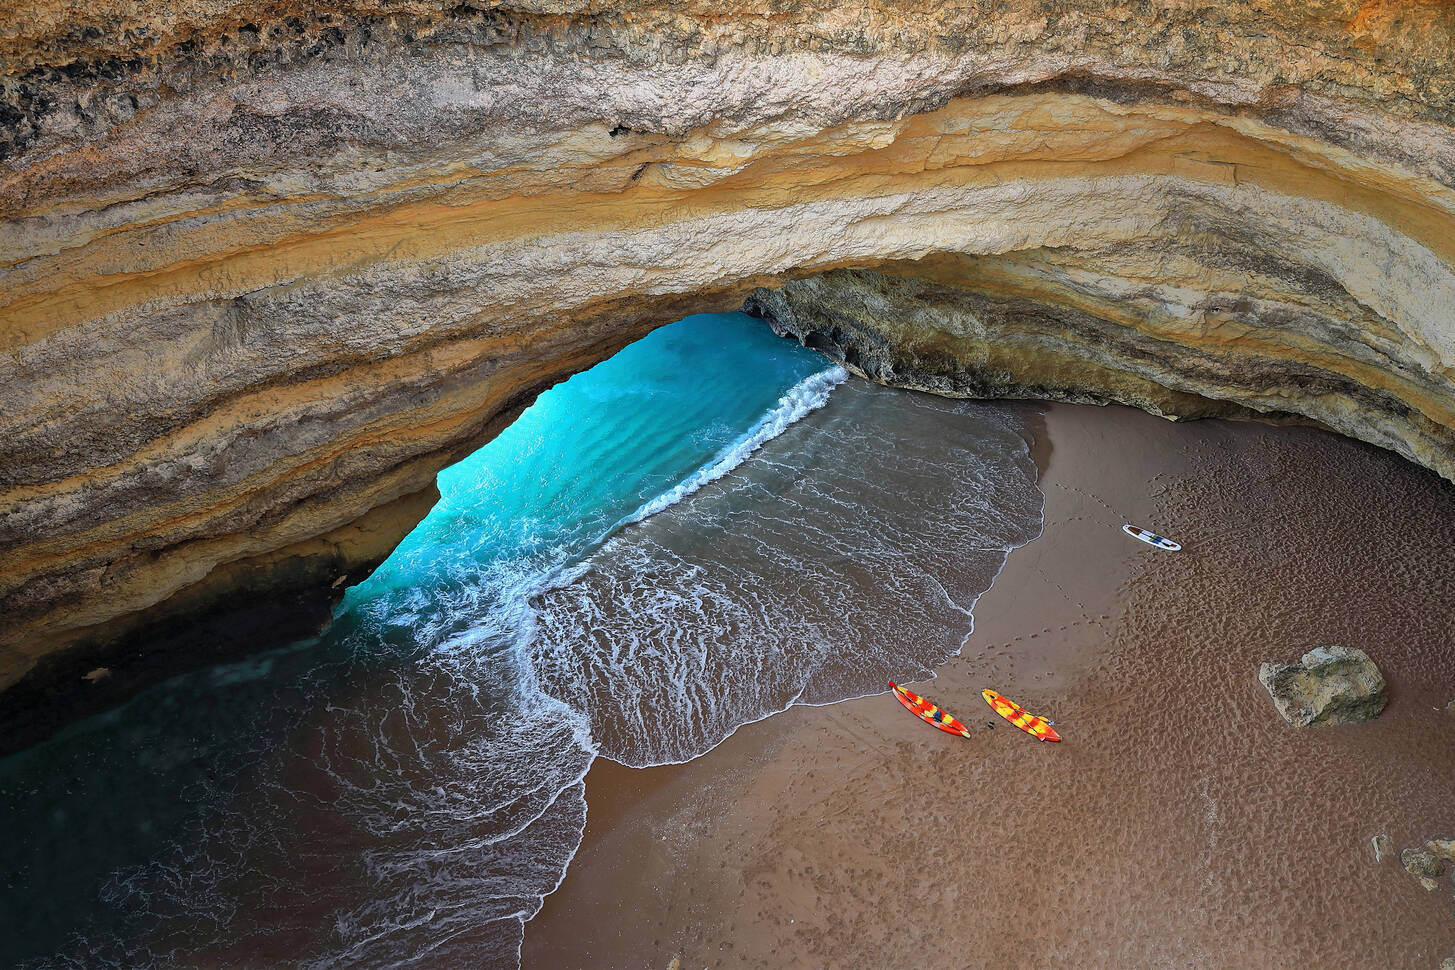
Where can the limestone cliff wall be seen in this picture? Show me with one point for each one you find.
(265, 269)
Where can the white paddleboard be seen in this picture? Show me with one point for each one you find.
(1151, 538)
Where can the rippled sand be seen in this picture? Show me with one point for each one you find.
(1180, 824)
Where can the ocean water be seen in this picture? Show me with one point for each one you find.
(710, 526)
(848, 551)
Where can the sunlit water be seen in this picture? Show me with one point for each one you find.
(693, 535)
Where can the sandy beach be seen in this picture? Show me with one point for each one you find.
(1180, 824)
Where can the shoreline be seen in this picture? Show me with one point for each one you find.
(822, 834)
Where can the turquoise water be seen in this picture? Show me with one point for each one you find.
(695, 534)
(630, 436)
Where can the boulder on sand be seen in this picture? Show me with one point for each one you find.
(1441, 849)
(1330, 685)
(1422, 862)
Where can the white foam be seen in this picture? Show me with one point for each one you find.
(805, 397)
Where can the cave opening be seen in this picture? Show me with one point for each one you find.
(675, 542)
(708, 527)
(270, 696)
(422, 656)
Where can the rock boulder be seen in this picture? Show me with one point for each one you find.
(1329, 685)
(1422, 862)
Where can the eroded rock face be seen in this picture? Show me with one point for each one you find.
(1329, 685)
(963, 327)
(264, 269)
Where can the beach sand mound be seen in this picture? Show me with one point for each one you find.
(1329, 685)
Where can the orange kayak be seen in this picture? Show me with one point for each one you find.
(1033, 724)
(929, 712)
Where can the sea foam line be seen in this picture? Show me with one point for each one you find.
(803, 398)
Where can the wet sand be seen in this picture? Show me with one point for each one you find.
(1180, 824)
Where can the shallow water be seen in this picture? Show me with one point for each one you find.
(656, 552)
(770, 586)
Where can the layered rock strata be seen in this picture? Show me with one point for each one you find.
(264, 270)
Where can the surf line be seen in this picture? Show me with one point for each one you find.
(803, 398)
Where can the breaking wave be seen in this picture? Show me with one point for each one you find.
(806, 396)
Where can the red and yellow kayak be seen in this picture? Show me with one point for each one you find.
(929, 712)
(1033, 724)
